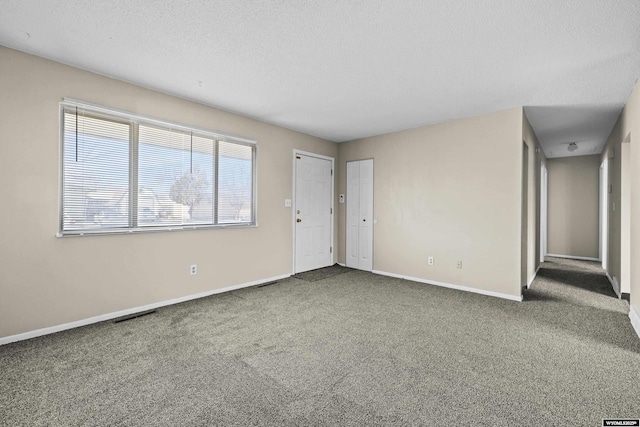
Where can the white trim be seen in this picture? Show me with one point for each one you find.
(121, 313)
(544, 197)
(582, 258)
(451, 286)
(532, 278)
(614, 284)
(310, 154)
(341, 264)
(604, 214)
(634, 315)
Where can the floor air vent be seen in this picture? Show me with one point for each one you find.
(267, 284)
(133, 316)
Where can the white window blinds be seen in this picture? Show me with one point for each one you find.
(126, 173)
(235, 182)
(96, 172)
(175, 178)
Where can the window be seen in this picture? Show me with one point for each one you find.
(124, 173)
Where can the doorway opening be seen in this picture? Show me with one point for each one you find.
(604, 213)
(524, 224)
(544, 193)
(625, 218)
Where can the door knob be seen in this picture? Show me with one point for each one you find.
(298, 220)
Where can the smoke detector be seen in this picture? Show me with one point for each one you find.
(572, 147)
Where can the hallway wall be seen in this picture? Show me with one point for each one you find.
(626, 131)
(536, 160)
(574, 206)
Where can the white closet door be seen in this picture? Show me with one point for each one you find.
(353, 213)
(365, 237)
(360, 215)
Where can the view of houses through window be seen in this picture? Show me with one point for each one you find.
(183, 177)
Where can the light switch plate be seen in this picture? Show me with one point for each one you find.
(287, 203)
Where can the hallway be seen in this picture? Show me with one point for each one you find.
(583, 303)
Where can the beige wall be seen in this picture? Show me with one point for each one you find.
(451, 191)
(573, 211)
(47, 281)
(624, 237)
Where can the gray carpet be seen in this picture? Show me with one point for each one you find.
(354, 349)
(322, 273)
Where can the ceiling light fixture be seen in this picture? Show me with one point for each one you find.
(572, 146)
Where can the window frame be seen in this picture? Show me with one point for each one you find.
(134, 121)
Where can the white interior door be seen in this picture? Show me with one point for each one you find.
(360, 215)
(365, 234)
(353, 214)
(313, 213)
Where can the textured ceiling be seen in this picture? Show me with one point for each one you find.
(344, 70)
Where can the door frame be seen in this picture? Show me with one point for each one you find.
(544, 198)
(524, 218)
(297, 152)
(625, 216)
(604, 213)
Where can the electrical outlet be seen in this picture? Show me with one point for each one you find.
(193, 270)
(459, 264)
(430, 260)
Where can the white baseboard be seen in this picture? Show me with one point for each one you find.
(582, 258)
(451, 286)
(634, 315)
(614, 284)
(341, 264)
(121, 313)
(532, 278)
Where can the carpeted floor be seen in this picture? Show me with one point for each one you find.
(322, 273)
(352, 349)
